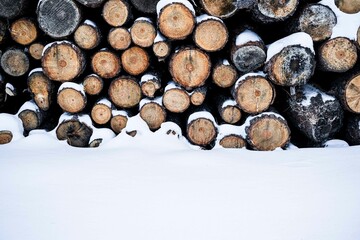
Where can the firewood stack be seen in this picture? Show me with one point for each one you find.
(235, 74)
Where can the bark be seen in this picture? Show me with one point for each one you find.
(71, 97)
(5, 137)
(15, 62)
(352, 129)
(62, 61)
(176, 99)
(224, 74)
(76, 133)
(266, 11)
(35, 50)
(143, 32)
(58, 19)
(348, 6)
(101, 112)
(228, 110)
(119, 38)
(357, 37)
(293, 65)
(87, 36)
(145, 6)
(106, 64)
(93, 84)
(41, 89)
(267, 131)
(201, 129)
(12, 8)
(23, 31)
(153, 113)
(190, 67)
(348, 92)
(116, 12)
(91, 3)
(150, 84)
(125, 92)
(135, 60)
(337, 55)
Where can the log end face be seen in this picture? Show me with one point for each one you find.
(248, 58)
(118, 123)
(5, 137)
(352, 95)
(71, 100)
(231, 114)
(176, 100)
(125, 92)
(15, 62)
(201, 132)
(211, 35)
(232, 141)
(224, 76)
(153, 114)
(77, 134)
(106, 64)
(222, 8)
(101, 114)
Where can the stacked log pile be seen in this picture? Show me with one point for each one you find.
(238, 74)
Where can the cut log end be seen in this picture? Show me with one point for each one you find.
(176, 100)
(23, 31)
(125, 92)
(201, 131)
(87, 36)
(231, 114)
(348, 6)
(162, 49)
(143, 33)
(116, 12)
(15, 62)
(77, 134)
(106, 64)
(71, 100)
(149, 88)
(41, 89)
(220, 8)
(36, 50)
(248, 58)
(101, 113)
(153, 114)
(119, 38)
(93, 84)
(232, 141)
(135, 60)
(31, 120)
(211, 35)
(5, 137)
(224, 76)
(274, 11)
(118, 123)
(352, 95)
(197, 98)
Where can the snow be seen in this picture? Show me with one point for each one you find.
(119, 112)
(144, 101)
(228, 103)
(29, 105)
(243, 77)
(106, 102)
(310, 92)
(163, 3)
(13, 124)
(247, 36)
(225, 62)
(10, 89)
(172, 85)
(35, 70)
(205, 17)
(347, 24)
(57, 42)
(201, 114)
(159, 38)
(105, 134)
(143, 19)
(336, 143)
(90, 23)
(76, 86)
(300, 38)
(147, 77)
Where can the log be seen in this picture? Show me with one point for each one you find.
(10, 9)
(337, 55)
(317, 115)
(125, 92)
(223, 8)
(175, 98)
(348, 92)
(93, 84)
(190, 67)
(253, 93)
(118, 121)
(116, 12)
(230, 136)
(152, 112)
(352, 129)
(143, 32)
(228, 109)
(76, 133)
(15, 62)
(150, 84)
(119, 38)
(248, 52)
(267, 131)
(23, 31)
(58, 19)
(87, 35)
(357, 37)
(161, 47)
(35, 50)
(41, 89)
(224, 74)
(210, 34)
(91, 3)
(62, 61)
(145, 6)
(317, 20)
(31, 116)
(106, 64)
(176, 20)
(101, 111)
(274, 11)
(348, 6)
(71, 97)
(135, 60)
(198, 95)
(5, 137)
(201, 128)
(3, 27)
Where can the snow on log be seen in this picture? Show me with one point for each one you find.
(71, 97)
(11, 128)
(230, 136)
(31, 116)
(201, 128)
(41, 89)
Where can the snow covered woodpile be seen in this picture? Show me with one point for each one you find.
(235, 74)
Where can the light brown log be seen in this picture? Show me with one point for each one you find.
(337, 55)
(76, 133)
(176, 100)
(143, 32)
(71, 99)
(3, 27)
(116, 12)
(87, 36)
(93, 84)
(274, 11)
(35, 50)
(23, 31)
(224, 74)
(5, 137)
(348, 6)
(294, 65)
(119, 121)
(91, 3)
(233, 141)
(228, 110)
(150, 84)
(176, 21)
(119, 38)
(190, 67)
(348, 93)
(31, 119)
(101, 113)
(135, 60)
(201, 131)
(221, 8)
(106, 64)
(58, 19)
(254, 94)
(125, 92)
(41, 89)
(153, 114)
(62, 61)
(197, 97)
(266, 132)
(161, 47)
(15, 62)
(211, 35)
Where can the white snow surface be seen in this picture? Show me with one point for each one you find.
(13, 124)
(143, 19)
(119, 112)
(205, 17)
(106, 102)
(202, 114)
(144, 101)
(243, 77)
(300, 38)
(159, 38)
(29, 105)
(76, 86)
(147, 77)
(347, 24)
(163, 3)
(247, 36)
(90, 23)
(172, 85)
(35, 70)
(310, 92)
(225, 62)
(229, 103)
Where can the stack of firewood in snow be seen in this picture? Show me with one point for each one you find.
(245, 73)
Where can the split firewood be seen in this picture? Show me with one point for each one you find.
(253, 93)
(58, 19)
(119, 120)
(143, 32)
(116, 12)
(71, 97)
(119, 38)
(337, 55)
(348, 6)
(152, 112)
(125, 92)
(91, 3)
(267, 131)
(150, 84)
(161, 47)
(224, 74)
(15, 62)
(31, 116)
(35, 50)
(106, 64)
(198, 95)
(228, 109)
(93, 84)
(23, 31)
(62, 61)
(175, 98)
(101, 111)
(135, 60)
(87, 35)
(230, 136)
(41, 89)
(201, 128)
(274, 11)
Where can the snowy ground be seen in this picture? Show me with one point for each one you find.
(155, 187)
